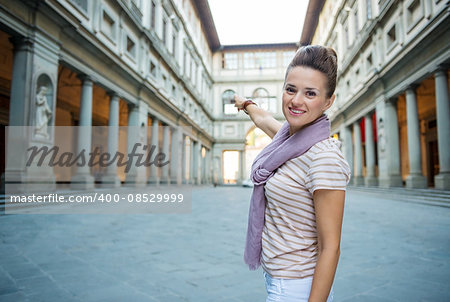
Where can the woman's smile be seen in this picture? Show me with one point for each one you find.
(296, 112)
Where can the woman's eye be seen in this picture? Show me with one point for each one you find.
(310, 93)
(289, 89)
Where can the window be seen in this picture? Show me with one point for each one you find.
(268, 60)
(261, 97)
(164, 31)
(108, 26)
(346, 37)
(229, 61)
(259, 60)
(153, 15)
(392, 35)
(184, 60)
(228, 102)
(184, 103)
(131, 47)
(355, 18)
(81, 4)
(287, 57)
(369, 9)
(249, 60)
(195, 73)
(137, 3)
(164, 81)
(369, 62)
(152, 68)
(414, 13)
(136, 9)
(174, 42)
(174, 91)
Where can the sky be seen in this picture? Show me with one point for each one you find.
(258, 21)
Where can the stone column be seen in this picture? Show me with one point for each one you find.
(21, 82)
(154, 177)
(358, 180)
(197, 157)
(371, 179)
(203, 166)
(442, 180)
(165, 149)
(34, 66)
(218, 168)
(183, 159)
(111, 179)
(176, 161)
(415, 178)
(191, 163)
(19, 115)
(208, 166)
(390, 141)
(348, 149)
(132, 140)
(241, 167)
(83, 178)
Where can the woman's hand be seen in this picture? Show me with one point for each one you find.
(239, 102)
(262, 119)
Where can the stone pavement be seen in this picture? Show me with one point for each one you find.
(391, 250)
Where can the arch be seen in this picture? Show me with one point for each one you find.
(262, 98)
(228, 102)
(255, 141)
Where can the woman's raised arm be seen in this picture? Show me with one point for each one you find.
(262, 119)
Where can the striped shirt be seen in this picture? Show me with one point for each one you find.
(289, 239)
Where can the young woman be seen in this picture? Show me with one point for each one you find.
(300, 178)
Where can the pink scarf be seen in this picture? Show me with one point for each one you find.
(282, 148)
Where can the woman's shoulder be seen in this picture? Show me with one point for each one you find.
(327, 152)
(327, 145)
(328, 168)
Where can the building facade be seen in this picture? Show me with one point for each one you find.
(255, 72)
(156, 67)
(392, 105)
(110, 63)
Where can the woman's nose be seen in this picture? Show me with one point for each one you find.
(297, 101)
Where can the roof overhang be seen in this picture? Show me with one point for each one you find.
(311, 21)
(207, 23)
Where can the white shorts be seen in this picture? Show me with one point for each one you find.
(289, 290)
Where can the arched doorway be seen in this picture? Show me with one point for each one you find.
(230, 167)
(255, 141)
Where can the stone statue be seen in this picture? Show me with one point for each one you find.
(143, 134)
(43, 113)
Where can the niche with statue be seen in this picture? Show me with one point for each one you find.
(43, 103)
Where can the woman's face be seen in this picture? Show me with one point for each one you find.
(304, 97)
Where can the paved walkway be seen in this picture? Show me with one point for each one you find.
(391, 251)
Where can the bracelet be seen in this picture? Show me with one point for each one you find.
(246, 103)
